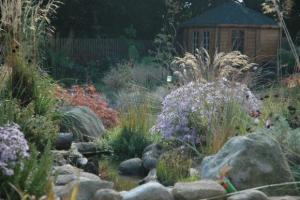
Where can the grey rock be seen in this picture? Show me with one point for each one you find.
(132, 166)
(151, 155)
(66, 174)
(87, 189)
(255, 160)
(198, 190)
(249, 195)
(86, 147)
(66, 169)
(60, 157)
(64, 179)
(149, 191)
(63, 141)
(107, 194)
(285, 198)
(90, 176)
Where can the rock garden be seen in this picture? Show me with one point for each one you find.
(205, 127)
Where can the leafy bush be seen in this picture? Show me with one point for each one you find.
(173, 167)
(69, 72)
(37, 129)
(146, 74)
(131, 138)
(89, 97)
(127, 143)
(203, 100)
(31, 176)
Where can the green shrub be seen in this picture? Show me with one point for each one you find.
(132, 136)
(31, 176)
(127, 143)
(173, 167)
(145, 74)
(37, 129)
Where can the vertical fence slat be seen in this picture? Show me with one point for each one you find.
(85, 50)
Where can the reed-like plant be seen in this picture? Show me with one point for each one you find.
(202, 67)
(24, 25)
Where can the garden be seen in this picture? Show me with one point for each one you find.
(165, 125)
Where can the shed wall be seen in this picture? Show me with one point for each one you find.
(260, 43)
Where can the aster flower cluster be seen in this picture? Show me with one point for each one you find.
(13, 146)
(203, 99)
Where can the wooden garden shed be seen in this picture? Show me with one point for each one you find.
(232, 26)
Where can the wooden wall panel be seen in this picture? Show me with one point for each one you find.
(269, 44)
(261, 44)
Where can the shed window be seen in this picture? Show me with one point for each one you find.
(201, 39)
(196, 41)
(206, 40)
(238, 40)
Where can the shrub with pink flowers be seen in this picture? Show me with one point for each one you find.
(202, 99)
(13, 146)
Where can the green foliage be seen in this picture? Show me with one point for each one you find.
(133, 53)
(228, 121)
(27, 96)
(131, 138)
(127, 143)
(190, 179)
(173, 167)
(287, 60)
(31, 176)
(145, 74)
(38, 129)
(69, 72)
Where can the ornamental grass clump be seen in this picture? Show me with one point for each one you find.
(202, 67)
(13, 147)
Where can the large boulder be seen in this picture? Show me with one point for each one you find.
(254, 160)
(151, 155)
(84, 123)
(249, 195)
(107, 194)
(199, 190)
(285, 198)
(149, 191)
(132, 166)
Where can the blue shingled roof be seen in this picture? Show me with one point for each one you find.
(232, 13)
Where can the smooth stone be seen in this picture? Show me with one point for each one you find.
(107, 194)
(249, 195)
(148, 191)
(199, 190)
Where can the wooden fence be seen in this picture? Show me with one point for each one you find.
(86, 50)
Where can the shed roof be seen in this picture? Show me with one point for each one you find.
(230, 13)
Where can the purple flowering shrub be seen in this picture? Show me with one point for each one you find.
(202, 99)
(13, 146)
